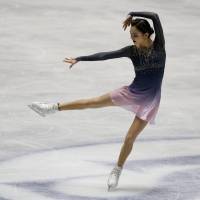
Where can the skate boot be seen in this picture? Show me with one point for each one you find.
(114, 177)
(44, 109)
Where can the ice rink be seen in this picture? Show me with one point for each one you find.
(70, 154)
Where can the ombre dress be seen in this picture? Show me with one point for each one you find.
(142, 96)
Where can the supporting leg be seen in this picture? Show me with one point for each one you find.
(136, 127)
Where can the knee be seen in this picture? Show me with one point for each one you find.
(129, 139)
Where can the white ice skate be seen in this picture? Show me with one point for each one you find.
(114, 177)
(44, 109)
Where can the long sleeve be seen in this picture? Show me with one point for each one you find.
(159, 35)
(123, 52)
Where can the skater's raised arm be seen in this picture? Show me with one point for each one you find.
(123, 52)
(159, 35)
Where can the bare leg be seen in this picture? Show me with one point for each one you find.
(95, 102)
(136, 127)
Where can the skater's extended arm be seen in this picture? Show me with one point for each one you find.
(159, 35)
(123, 52)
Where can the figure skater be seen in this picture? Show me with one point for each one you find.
(142, 96)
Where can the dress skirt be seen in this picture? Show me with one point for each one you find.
(144, 104)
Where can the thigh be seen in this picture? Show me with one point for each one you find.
(104, 99)
(136, 127)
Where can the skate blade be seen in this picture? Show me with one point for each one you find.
(37, 111)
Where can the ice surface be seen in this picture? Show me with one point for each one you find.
(69, 155)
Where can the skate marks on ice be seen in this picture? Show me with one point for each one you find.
(158, 170)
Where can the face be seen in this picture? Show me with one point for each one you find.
(138, 37)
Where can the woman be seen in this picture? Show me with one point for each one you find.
(142, 96)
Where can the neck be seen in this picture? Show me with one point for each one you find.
(147, 44)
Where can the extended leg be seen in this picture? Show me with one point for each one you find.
(95, 102)
(44, 109)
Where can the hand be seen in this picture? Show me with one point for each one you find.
(70, 60)
(127, 22)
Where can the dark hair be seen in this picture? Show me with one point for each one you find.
(142, 25)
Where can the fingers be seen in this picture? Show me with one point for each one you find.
(68, 60)
(124, 26)
(126, 23)
(71, 61)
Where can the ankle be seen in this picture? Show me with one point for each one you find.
(119, 167)
(58, 104)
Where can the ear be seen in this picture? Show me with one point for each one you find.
(146, 35)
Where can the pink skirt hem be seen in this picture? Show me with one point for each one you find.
(134, 102)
